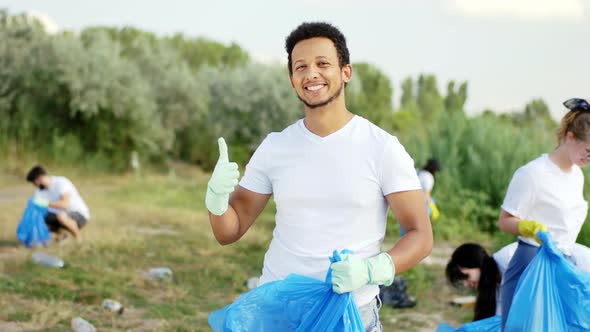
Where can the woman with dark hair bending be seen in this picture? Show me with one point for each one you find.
(472, 267)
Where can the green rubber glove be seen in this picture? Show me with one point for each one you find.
(222, 183)
(529, 228)
(40, 202)
(353, 272)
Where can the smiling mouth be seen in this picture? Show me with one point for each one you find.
(313, 88)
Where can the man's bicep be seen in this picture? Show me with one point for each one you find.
(248, 206)
(506, 214)
(409, 209)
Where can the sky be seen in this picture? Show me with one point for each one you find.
(509, 51)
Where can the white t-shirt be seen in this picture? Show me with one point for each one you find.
(426, 180)
(541, 191)
(59, 186)
(504, 255)
(329, 193)
(502, 258)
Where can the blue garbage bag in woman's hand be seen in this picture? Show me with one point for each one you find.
(551, 295)
(32, 229)
(297, 303)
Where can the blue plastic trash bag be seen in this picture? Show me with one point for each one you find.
(297, 303)
(491, 324)
(32, 229)
(551, 295)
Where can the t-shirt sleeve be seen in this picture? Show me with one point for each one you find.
(520, 194)
(256, 177)
(64, 186)
(397, 169)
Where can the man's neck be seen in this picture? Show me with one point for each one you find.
(326, 120)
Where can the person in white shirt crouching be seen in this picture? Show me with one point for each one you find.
(66, 208)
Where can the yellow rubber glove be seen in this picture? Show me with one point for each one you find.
(529, 228)
(434, 212)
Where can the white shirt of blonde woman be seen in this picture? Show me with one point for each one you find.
(329, 194)
(541, 191)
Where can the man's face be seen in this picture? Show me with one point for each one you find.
(317, 77)
(42, 182)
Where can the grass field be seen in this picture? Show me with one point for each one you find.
(159, 220)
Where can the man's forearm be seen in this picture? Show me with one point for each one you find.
(62, 205)
(226, 227)
(508, 223)
(411, 249)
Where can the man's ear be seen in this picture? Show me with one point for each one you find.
(346, 73)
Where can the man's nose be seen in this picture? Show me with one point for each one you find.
(312, 73)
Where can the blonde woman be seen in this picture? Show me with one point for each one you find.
(546, 194)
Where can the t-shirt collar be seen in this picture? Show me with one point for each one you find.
(342, 131)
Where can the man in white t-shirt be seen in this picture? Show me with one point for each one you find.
(66, 208)
(333, 176)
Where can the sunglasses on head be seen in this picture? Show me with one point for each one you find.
(577, 103)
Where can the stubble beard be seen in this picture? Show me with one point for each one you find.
(323, 103)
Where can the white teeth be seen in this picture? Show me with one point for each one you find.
(314, 87)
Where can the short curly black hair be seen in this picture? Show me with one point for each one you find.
(310, 30)
(35, 173)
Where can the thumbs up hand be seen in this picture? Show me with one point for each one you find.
(222, 183)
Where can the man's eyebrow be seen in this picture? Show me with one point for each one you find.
(319, 57)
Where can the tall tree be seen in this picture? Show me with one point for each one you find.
(430, 103)
(455, 99)
(198, 52)
(370, 93)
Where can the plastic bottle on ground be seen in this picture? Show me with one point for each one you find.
(81, 325)
(161, 273)
(113, 306)
(44, 259)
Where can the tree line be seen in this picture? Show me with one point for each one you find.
(95, 96)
